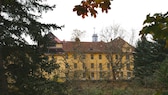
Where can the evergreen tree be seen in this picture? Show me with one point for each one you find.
(146, 58)
(161, 74)
(20, 63)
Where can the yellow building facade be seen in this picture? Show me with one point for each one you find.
(92, 60)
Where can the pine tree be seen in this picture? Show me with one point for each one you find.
(20, 62)
(146, 58)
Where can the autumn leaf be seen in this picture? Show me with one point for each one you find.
(90, 6)
(98, 1)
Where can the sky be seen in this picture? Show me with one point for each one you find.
(129, 14)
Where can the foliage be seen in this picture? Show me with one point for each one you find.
(108, 88)
(89, 6)
(157, 26)
(85, 91)
(22, 63)
(24, 66)
(146, 58)
(20, 18)
(162, 73)
(161, 77)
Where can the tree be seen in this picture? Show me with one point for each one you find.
(146, 57)
(20, 62)
(111, 32)
(133, 39)
(157, 26)
(77, 34)
(161, 74)
(89, 6)
(24, 71)
(116, 50)
(109, 35)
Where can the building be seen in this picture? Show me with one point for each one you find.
(95, 60)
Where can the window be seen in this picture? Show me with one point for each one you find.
(121, 74)
(92, 74)
(92, 65)
(107, 56)
(75, 56)
(128, 66)
(66, 65)
(100, 56)
(84, 67)
(108, 65)
(66, 56)
(91, 56)
(127, 57)
(100, 66)
(128, 75)
(84, 75)
(100, 75)
(75, 65)
(116, 56)
(83, 56)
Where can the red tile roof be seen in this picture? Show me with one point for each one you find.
(84, 46)
(101, 47)
(115, 45)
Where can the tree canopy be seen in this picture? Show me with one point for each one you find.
(19, 18)
(21, 64)
(147, 57)
(157, 26)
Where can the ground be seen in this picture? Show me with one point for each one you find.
(108, 88)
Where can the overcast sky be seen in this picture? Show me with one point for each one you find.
(129, 14)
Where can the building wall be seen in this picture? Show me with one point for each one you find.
(75, 67)
(76, 64)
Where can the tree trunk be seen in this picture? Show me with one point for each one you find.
(114, 74)
(3, 80)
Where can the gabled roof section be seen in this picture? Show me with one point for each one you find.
(53, 38)
(118, 43)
